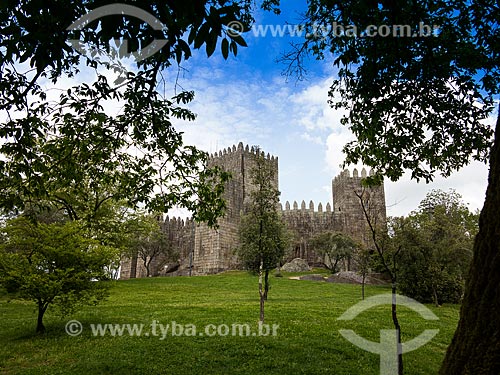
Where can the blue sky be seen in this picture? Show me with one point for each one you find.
(247, 99)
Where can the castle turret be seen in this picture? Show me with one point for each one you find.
(215, 249)
(347, 206)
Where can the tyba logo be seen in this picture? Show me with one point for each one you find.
(388, 348)
(124, 10)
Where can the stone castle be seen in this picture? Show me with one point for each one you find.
(204, 250)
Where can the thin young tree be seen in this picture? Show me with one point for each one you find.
(388, 251)
(263, 235)
(363, 260)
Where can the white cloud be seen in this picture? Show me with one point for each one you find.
(295, 123)
(404, 195)
(307, 137)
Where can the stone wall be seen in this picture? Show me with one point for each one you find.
(215, 249)
(180, 234)
(211, 251)
(305, 222)
(128, 268)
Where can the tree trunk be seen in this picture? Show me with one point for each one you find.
(397, 327)
(261, 270)
(475, 348)
(147, 262)
(434, 295)
(334, 266)
(266, 284)
(393, 274)
(40, 328)
(261, 291)
(363, 287)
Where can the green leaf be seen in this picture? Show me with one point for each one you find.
(211, 44)
(225, 48)
(233, 47)
(238, 39)
(202, 36)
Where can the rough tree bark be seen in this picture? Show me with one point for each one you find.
(42, 307)
(475, 348)
(147, 264)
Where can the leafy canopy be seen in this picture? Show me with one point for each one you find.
(333, 248)
(437, 242)
(52, 264)
(69, 148)
(413, 102)
(147, 241)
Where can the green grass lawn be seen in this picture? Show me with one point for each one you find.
(307, 341)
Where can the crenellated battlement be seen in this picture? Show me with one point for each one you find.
(303, 207)
(346, 174)
(204, 250)
(178, 222)
(239, 150)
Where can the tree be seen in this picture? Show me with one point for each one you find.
(147, 241)
(68, 154)
(363, 260)
(52, 149)
(103, 222)
(333, 248)
(108, 226)
(417, 102)
(262, 230)
(388, 251)
(52, 264)
(437, 248)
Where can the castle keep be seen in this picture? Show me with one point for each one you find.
(206, 251)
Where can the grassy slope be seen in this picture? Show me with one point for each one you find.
(308, 341)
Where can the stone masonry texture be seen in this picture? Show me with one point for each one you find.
(209, 251)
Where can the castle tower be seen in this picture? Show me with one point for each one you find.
(214, 250)
(209, 251)
(347, 206)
